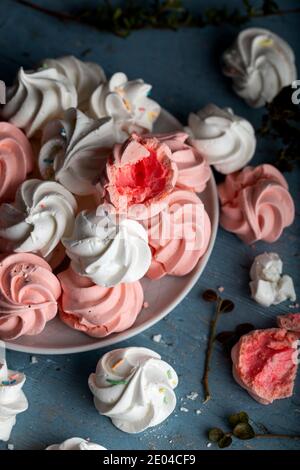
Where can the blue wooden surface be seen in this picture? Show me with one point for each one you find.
(184, 69)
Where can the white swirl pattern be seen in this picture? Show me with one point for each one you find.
(85, 76)
(75, 149)
(127, 103)
(43, 213)
(260, 64)
(106, 252)
(134, 388)
(36, 98)
(226, 141)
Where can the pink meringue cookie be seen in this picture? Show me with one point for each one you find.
(193, 170)
(95, 310)
(264, 363)
(178, 236)
(256, 204)
(140, 174)
(16, 160)
(29, 294)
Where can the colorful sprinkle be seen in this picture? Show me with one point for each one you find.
(117, 364)
(117, 382)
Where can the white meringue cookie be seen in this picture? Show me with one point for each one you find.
(76, 443)
(134, 387)
(226, 141)
(74, 150)
(36, 98)
(43, 213)
(85, 76)
(127, 103)
(107, 252)
(12, 399)
(260, 64)
(268, 286)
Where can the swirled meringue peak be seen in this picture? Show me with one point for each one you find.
(108, 251)
(85, 76)
(12, 399)
(29, 294)
(16, 160)
(134, 388)
(256, 204)
(193, 170)
(260, 64)
(74, 150)
(127, 103)
(140, 174)
(226, 141)
(43, 213)
(76, 443)
(36, 98)
(178, 236)
(95, 310)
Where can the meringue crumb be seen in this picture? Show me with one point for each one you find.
(208, 444)
(185, 410)
(156, 338)
(198, 412)
(192, 396)
(10, 447)
(146, 305)
(221, 289)
(34, 360)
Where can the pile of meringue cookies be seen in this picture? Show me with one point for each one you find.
(92, 201)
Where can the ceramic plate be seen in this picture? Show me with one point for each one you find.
(162, 296)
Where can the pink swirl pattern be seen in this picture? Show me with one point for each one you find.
(16, 160)
(178, 236)
(256, 204)
(29, 294)
(95, 310)
(193, 170)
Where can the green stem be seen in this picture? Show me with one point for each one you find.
(212, 335)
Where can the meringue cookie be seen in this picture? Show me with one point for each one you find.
(127, 103)
(260, 64)
(134, 387)
(178, 235)
(12, 399)
(29, 295)
(16, 160)
(193, 170)
(268, 286)
(106, 251)
(36, 98)
(264, 364)
(76, 443)
(43, 213)
(95, 310)
(226, 141)
(140, 174)
(256, 204)
(85, 76)
(74, 150)
(290, 322)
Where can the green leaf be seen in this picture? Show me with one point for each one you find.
(117, 382)
(237, 418)
(215, 434)
(210, 295)
(225, 441)
(243, 431)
